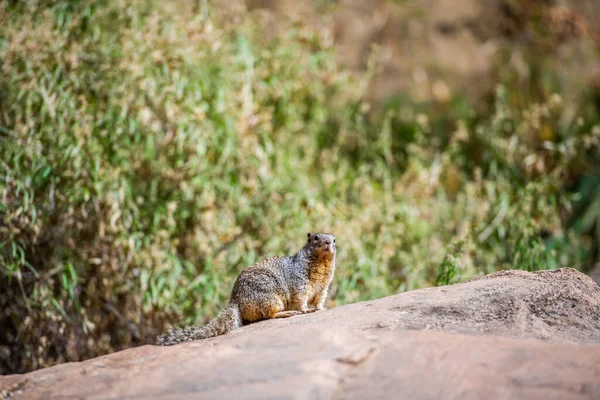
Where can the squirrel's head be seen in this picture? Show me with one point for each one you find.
(322, 244)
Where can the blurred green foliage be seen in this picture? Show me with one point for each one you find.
(150, 151)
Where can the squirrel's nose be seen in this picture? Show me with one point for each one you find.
(328, 242)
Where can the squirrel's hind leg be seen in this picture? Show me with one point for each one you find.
(261, 307)
(286, 314)
(291, 313)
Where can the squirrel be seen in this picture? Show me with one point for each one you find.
(277, 287)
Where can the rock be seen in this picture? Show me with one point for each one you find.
(511, 334)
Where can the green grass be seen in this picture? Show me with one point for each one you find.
(150, 152)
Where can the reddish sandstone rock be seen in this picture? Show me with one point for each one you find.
(507, 335)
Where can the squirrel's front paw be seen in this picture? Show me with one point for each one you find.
(320, 308)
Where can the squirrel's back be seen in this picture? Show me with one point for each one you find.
(270, 274)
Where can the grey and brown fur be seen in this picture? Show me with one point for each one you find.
(277, 287)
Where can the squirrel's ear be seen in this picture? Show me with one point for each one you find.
(308, 235)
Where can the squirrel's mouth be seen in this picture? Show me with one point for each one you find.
(328, 248)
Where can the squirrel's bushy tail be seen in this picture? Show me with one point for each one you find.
(226, 321)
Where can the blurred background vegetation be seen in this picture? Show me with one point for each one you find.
(150, 150)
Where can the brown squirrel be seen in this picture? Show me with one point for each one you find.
(277, 287)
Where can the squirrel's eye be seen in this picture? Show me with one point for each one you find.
(316, 238)
(333, 240)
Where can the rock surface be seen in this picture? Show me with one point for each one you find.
(509, 335)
